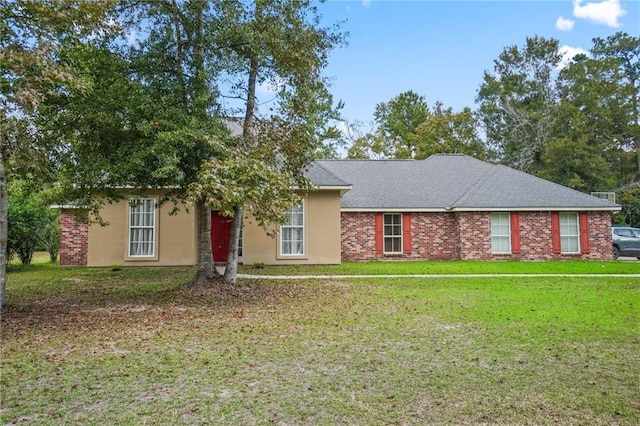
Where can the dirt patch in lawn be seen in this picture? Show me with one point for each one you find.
(90, 308)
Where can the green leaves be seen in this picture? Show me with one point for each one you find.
(407, 128)
(32, 224)
(516, 102)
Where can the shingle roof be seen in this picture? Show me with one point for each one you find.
(320, 176)
(451, 182)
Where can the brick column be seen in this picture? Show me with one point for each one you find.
(74, 237)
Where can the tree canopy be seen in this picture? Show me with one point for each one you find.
(33, 32)
(407, 128)
(155, 113)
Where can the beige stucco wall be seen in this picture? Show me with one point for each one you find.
(175, 237)
(321, 238)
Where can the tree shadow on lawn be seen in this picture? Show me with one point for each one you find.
(104, 302)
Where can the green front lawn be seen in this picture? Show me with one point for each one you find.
(135, 346)
(450, 267)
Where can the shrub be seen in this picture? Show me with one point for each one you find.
(32, 224)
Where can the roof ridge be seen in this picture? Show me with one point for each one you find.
(317, 162)
(473, 188)
(346, 160)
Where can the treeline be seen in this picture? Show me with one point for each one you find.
(575, 123)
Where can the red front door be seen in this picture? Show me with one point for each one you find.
(220, 233)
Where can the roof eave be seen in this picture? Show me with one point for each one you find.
(342, 188)
(476, 209)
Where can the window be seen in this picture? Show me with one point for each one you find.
(292, 232)
(500, 233)
(393, 233)
(142, 226)
(569, 233)
(624, 233)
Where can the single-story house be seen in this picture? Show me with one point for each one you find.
(448, 206)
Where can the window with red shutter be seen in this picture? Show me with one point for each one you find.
(515, 233)
(379, 233)
(584, 233)
(406, 233)
(555, 232)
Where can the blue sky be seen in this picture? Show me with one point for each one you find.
(440, 49)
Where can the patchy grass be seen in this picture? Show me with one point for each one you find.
(136, 346)
(39, 258)
(450, 267)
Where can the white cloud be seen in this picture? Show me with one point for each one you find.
(366, 3)
(568, 52)
(606, 12)
(564, 24)
(343, 127)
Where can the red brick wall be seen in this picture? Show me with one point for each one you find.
(467, 235)
(535, 236)
(358, 236)
(599, 236)
(74, 238)
(434, 237)
(475, 235)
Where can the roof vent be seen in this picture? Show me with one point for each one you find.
(609, 196)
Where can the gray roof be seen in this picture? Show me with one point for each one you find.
(451, 182)
(321, 177)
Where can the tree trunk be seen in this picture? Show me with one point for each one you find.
(179, 53)
(231, 270)
(4, 229)
(206, 270)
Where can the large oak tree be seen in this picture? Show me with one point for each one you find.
(32, 33)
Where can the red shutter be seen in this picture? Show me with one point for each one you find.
(406, 233)
(379, 224)
(555, 232)
(515, 233)
(584, 233)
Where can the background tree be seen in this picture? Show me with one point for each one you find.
(582, 148)
(516, 102)
(397, 119)
(629, 197)
(32, 224)
(32, 31)
(622, 52)
(446, 131)
(407, 128)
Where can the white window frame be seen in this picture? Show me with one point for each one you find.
(392, 236)
(293, 210)
(135, 203)
(497, 232)
(569, 233)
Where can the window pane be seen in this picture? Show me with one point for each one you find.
(393, 245)
(392, 233)
(500, 233)
(397, 245)
(142, 227)
(388, 245)
(569, 233)
(292, 232)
